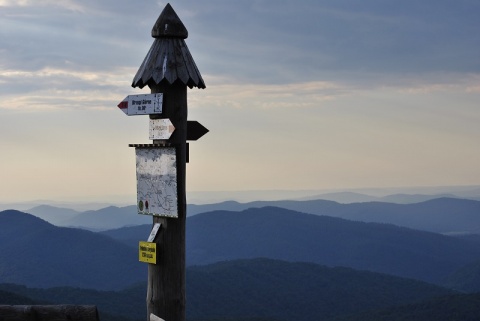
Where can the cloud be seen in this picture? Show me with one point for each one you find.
(254, 96)
(256, 41)
(353, 85)
(302, 41)
(60, 88)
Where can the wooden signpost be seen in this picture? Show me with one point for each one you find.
(168, 69)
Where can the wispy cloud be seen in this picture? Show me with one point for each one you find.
(252, 96)
(60, 88)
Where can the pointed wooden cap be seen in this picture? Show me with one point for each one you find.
(169, 25)
(168, 61)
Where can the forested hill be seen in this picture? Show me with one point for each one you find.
(459, 307)
(257, 288)
(65, 256)
(287, 235)
(37, 253)
(292, 236)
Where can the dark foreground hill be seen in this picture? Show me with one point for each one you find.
(294, 291)
(39, 254)
(259, 288)
(459, 307)
(466, 279)
(10, 298)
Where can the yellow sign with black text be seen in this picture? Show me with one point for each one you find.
(147, 252)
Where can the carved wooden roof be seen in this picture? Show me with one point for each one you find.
(168, 59)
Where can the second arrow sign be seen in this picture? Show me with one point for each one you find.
(195, 130)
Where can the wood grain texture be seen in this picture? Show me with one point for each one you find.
(166, 294)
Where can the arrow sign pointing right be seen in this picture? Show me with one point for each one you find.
(161, 129)
(195, 130)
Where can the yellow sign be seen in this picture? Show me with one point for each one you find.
(147, 252)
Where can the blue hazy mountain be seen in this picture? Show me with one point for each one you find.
(292, 236)
(37, 253)
(108, 218)
(54, 215)
(353, 197)
(287, 235)
(32, 249)
(130, 235)
(442, 215)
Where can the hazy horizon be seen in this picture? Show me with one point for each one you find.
(245, 196)
(301, 95)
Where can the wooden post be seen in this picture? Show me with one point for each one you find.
(169, 69)
(166, 279)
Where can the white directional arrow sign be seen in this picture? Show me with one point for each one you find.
(145, 104)
(161, 128)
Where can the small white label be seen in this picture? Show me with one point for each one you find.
(154, 232)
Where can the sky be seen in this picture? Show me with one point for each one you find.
(300, 95)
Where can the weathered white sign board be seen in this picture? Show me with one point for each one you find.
(146, 104)
(160, 129)
(157, 181)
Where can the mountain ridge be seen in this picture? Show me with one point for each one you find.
(293, 236)
(440, 215)
(35, 252)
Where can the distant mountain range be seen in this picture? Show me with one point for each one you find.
(102, 219)
(37, 253)
(352, 197)
(442, 215)
(271, 260)
(60, 216)
(394, 194)
(292, 236)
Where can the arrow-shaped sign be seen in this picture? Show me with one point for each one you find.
(145, 104)
(161, 128)
(195, 130)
